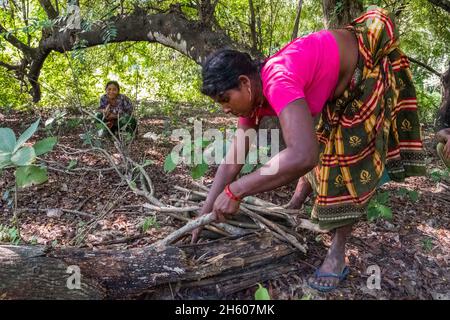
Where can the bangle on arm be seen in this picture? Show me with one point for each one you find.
(230, 194)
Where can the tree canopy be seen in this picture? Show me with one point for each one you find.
(60, 53)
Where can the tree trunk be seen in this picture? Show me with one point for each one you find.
(443, 120)
(339, 13)
(297, 20)
(212, 270)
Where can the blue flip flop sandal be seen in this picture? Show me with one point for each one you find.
(318, 274)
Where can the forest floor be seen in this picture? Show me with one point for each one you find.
(412, 251)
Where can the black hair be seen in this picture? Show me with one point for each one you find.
(221, 71)
(114, 83)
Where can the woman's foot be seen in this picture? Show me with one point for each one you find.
(302, 191)
(333, 269)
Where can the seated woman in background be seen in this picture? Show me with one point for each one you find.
(116, 109)
(443, 148)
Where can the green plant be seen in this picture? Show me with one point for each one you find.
(379, 207)
(251, 163)
(427, 244)
(307, 297)
(52, 124)
(72, 164)
(412, 195)
(9, 234)
(438, 175)
(197, 170)
(149, 222)
(14, 154)
(262, 293)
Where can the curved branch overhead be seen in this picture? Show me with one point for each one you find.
(194, 38)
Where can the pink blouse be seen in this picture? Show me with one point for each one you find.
(307, 67)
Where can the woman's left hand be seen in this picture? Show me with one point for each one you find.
(225, 207)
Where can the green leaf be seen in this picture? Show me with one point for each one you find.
(87, 138)
(427, 244)
(29, 175)
(402, 192)
(169, 164)
(413, 196)
(247, 168)
(150, 222)
(383, 198)
(44, 145)
(24, 156)
(72, 164)
(5, 159)
(7, 140)
(148, 162)
(377, 210)
(385, 212)
(262, 293)
(199, 170)
(372, 213)
(26, 134)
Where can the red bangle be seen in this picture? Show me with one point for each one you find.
(230, 194)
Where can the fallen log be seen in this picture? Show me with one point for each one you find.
(219, 267)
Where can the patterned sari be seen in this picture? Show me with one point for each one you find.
(371, 131)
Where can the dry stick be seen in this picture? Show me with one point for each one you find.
(145, 175)
(201, 186)
(242, 224)
(284, 216)
(80, 213)
(287, 237)
(182, 200)
(84, 202)
(130, 184)
(208, 227)
(308, 225)
(226, 227)
(202, 194)
(62, 171)
(190, 226)
(172, 209)
(233, 230)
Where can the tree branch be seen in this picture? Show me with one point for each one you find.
(28, 51)
(172, 29)
(253, 26)
(9, 66)
(444, 4)
(49, 9)
(427, 67)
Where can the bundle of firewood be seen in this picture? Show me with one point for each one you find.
(254, 214)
